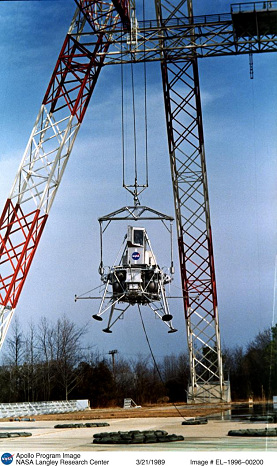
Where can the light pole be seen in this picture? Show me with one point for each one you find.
(113, 352)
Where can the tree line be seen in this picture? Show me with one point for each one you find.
(49, 362)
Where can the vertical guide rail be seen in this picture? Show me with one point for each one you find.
(50, 145)
(190, 189)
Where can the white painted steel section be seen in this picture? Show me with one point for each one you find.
(44, 160)
(48, 149)
(6, 314)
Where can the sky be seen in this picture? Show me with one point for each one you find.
(240, 142)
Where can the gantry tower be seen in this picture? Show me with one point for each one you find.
(104, 33)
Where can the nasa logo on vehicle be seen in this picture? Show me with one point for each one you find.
(7, 458)
(135, 256)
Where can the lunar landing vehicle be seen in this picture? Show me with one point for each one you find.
(135, 278)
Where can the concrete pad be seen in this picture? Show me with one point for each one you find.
(211, 436)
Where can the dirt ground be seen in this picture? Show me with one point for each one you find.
(164, 410)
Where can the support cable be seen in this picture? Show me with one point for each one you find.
(138, 187)
(134, 123)
(89, 291)
(122, 124)
(145, 105)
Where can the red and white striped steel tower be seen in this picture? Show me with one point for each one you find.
(50, 144)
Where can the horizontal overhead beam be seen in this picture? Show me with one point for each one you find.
(207, 36)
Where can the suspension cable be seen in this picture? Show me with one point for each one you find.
(122, 123)
(134, 122)
(145, 104)
(136, 188)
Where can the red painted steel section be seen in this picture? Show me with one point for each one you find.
(184, 280)
(122, 7)
(74, 77)
(90, 8)
(8, 230)
(195, 252)
(210, 243)
(19, 238)
(77, 69)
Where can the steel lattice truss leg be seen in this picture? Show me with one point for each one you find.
(188, 168)
(49, 147)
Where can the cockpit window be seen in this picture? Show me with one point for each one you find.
(138, 237)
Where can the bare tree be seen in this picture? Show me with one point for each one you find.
(14, 357)
(68, 353)
(46, 345)
(30, 365)
(124, 380)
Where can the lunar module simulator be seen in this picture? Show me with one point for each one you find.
(136, 280)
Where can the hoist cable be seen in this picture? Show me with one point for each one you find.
(136, 185)
(145, 105)
(134, 123)
(122, 123)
